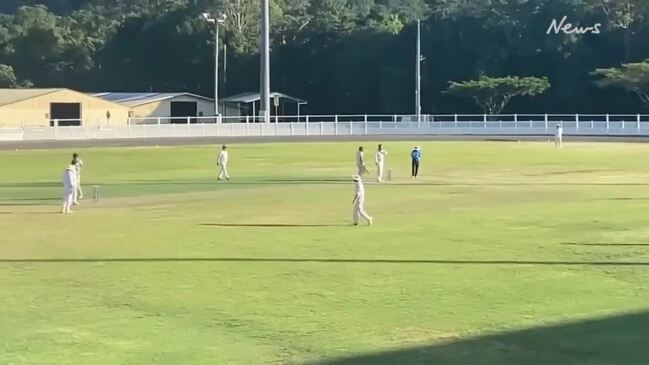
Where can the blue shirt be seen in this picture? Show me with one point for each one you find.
(416, 155)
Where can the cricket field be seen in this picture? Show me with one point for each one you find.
(501, 253)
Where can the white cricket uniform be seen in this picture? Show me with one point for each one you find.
(223, 165)
(360, 163)
(558, 137)
(70, 185)
(359, 203)
(78, 193)
(379, 158)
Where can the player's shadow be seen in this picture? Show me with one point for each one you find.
(272, 225)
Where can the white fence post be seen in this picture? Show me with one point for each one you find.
(189, 121)
(247, 119)
(394, 118)
(247, 129)
(336, 125)
(292, 133)
(484, 120)
(173, 129)
(455, 120)
(218, 127)
(546, 122)
(365, 120)
(321, 128)
(380, 123)
(516, 119)
(351, 128)
(276, 129)
(638, 123)
(577, 122)
(306, 126)
(623, 124)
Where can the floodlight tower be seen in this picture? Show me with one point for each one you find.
(264, 55)
(217, 19)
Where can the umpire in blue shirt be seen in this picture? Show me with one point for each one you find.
(416, 157)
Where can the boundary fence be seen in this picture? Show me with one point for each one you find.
(345, 125)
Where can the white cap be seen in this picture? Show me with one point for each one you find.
(356, 178)
(416, 147)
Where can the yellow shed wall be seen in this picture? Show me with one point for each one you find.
(35, 111)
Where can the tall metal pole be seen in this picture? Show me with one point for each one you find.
(264, 53)
(418, 76)
(216, 70)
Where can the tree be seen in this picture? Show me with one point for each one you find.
(633, 77)
(626, 15)
(493, 94)
(9, 80)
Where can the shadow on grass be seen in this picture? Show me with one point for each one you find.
(607, 244)
(314, 181)
(616, 340)
(331, 261)
(271, 225)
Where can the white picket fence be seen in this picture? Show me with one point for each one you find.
(346, 125)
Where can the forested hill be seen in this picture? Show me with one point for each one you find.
(344, 56)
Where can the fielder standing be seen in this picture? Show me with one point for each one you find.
(415, 155)
(222, 163)
(360, 162)
(558, 136)
(359, 202)
(70, 186)
(379, 158)
(78, 164)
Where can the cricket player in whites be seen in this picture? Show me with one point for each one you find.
(78, 164)
(558, 136)
(222, 163)
(379, 158)
(360, 162)
(359, 202)
(70, 186)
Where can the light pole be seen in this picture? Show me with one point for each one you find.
(216, 20)
(418, 76)
(264, 53)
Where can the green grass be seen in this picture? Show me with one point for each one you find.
(502, 253)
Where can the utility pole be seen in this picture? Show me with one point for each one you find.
(264, 52)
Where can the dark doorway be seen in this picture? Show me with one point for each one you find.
(68, 114)
(180, 110)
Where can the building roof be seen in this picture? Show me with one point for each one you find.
(141, 98)
(10, 96)
(251, 97)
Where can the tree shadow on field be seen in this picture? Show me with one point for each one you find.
(596, 244)
(638, 264)
(46, 184)
(272, 225)
(615, 340)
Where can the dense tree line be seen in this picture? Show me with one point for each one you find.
(344, 56)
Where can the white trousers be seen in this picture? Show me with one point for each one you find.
(68, 198)
(379, 171)
(359, 210)
(558, 140)
(362, 170)
(223, 167)
(78, 193)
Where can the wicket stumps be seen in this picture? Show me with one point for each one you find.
(95, 193)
